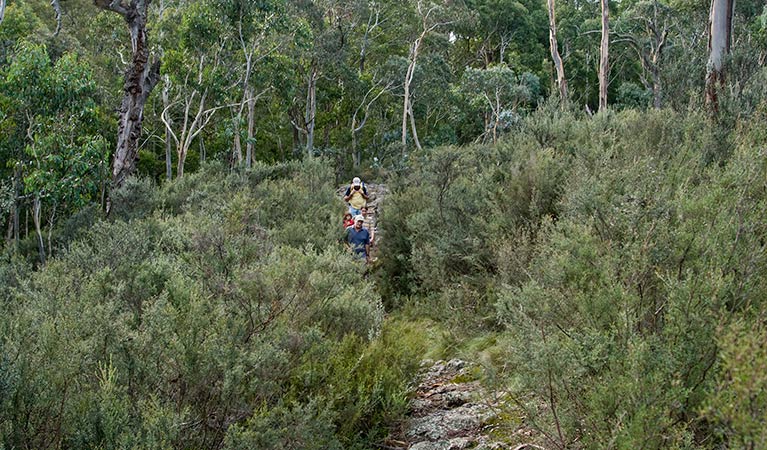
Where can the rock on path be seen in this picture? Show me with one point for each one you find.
(451, 410)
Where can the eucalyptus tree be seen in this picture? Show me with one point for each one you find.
(720, 40)
(141, 77)
(502, 31)
(497, 92)
(378, 35)
(378, 87)
(604, 48)
(376, 17)
(646, 26)
(54, 112)
(196, 75)
(431, 17)
(578, 30)
(256, 31)
(554, 48)
(326, 70)
(311, 23)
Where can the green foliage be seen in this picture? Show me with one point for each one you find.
(633, 96)
(621, 254)
(287, 427)
(739, 404)
(54, 109)
(195, 320)
(624, 264)
(498, 93)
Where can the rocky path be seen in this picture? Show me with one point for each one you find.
(451, 410)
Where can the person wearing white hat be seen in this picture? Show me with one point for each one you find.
(357, 196)
(358, 238)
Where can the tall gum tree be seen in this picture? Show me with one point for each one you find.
(553, 45)
(604, 63)
(431, 16)
(719, 42)
(645, 27)
(141, 77)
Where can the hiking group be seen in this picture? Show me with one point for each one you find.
(358, 225)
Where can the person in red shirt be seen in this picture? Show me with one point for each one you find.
(348, 220)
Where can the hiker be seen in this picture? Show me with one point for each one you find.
(348, 220)
(357, 196)
(359, 238)
(368, 224)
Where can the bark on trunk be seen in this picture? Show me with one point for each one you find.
(140, 79)
(189, 132)
(38, 229)
(15, 213)
(660, 33)
(720, 37)
(237, 157)
(356, 154)
(413, 129)
(249, 156)
(553, 45)
(2, 10)
(180, 165)
(51, 221)
(168, 137)
(657, 101)
(9, 231)
(407, 107)
(497, 113)
(604, 67)
(311, 110)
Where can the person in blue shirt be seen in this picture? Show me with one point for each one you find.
(358, 238)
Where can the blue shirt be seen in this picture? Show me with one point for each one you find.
(358, 240)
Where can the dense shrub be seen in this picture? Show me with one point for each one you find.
(625, 254)
(197, 317)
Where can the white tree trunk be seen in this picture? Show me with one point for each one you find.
(656, 85)
(553, 45)
(249, 156)
(168, 137)
(407, 107)
(720, 37)
(406, 104)
(413, 129)
(236, 138)
(38, 230)
(311, 110)
(604, 65)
